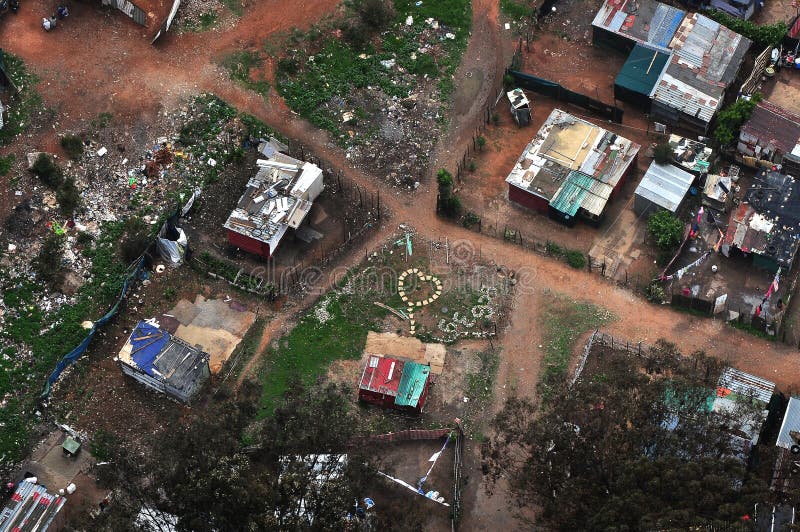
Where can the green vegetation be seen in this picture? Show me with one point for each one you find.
(39, 338)
(5, 163)
(666, 229)
(573, 257)
(102, 445)
(101, 122)
(205, 22)
(240, 64)
(323, 69)
(564, 320)
(663, 153)
(48, 262)
(730, 119)
(41, 343)
(73, 146)
(69, 197)
(234, 6)
(762, 35)
(335, 328)
(21, 108)
(448, 203)
(46, 169)
(516, 9)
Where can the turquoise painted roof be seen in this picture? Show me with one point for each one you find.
(412, 384)
(641, 71)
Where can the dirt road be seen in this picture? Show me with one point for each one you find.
(95, 62)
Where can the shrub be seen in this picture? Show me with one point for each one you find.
(356, 34)
(47, 170)
(516, 9)
(69, 199)
(663, 153)
(444, 178)
(450, 206)
(495, 118)
(730, 119)
(5, 163)
(84, 238)
(73, 146)
(508, 81)
(472, 166)
(666, 229)
(470, 219)
(764, 35)
(575, 258)
(375, 14)
(655, 293)
(135, 240)
(47, 263)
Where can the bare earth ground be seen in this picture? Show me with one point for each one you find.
(96, 62)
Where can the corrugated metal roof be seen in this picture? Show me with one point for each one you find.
(706, 59)
(791, 422)
(581, 191)
(412, 384)
(30, 508)
(772, 125)
(641, 70)
(665, 185)
(745, 385)
(166, 358)
(642, 21)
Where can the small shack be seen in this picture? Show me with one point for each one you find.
(717, 192)
(393, 383)
(278, 198)
(692, 155)
(786, 474)
(770, 136)
(767, 223)
(663, 187)
(32, 508)
(520, 107)
(639, 75)
(164, 362)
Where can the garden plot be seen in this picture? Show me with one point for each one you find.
(473, 298)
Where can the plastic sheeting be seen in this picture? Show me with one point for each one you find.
(73, 355)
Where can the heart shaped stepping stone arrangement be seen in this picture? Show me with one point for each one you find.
(412, 305)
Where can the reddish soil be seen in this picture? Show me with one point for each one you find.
(89, 67)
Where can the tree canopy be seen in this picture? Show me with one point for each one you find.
(601, 455)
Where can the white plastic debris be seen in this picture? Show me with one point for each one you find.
(18, 193)
(212, 162)
(160, 268)
(388, 63)
(71, 488)
(12, 248)
(102, 151)
(450, 36)
(87, 324)
(409, 20)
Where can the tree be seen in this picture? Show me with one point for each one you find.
(220, 472)
(47, 170)
(730, 119)
(663, 153)
(448, 204)
(73, 146)
(69, 199)
(666, 229)
(598, 456)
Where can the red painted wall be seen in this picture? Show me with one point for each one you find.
(631, 168)
(248, 244)
(527, 199)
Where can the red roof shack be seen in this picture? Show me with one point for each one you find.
(392, 383)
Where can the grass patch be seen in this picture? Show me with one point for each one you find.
(239, 66)
(750, 329)
(20, 109)
(564, 320)
(516, 9)
(324, 69)
(335, 328)
(6, 163)
(234, 6)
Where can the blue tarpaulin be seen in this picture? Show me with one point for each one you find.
(147, 341)
(73, 355)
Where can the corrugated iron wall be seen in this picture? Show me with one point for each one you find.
(130, 9)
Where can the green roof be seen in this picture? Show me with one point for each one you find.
(641, 71)
(412, 384)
